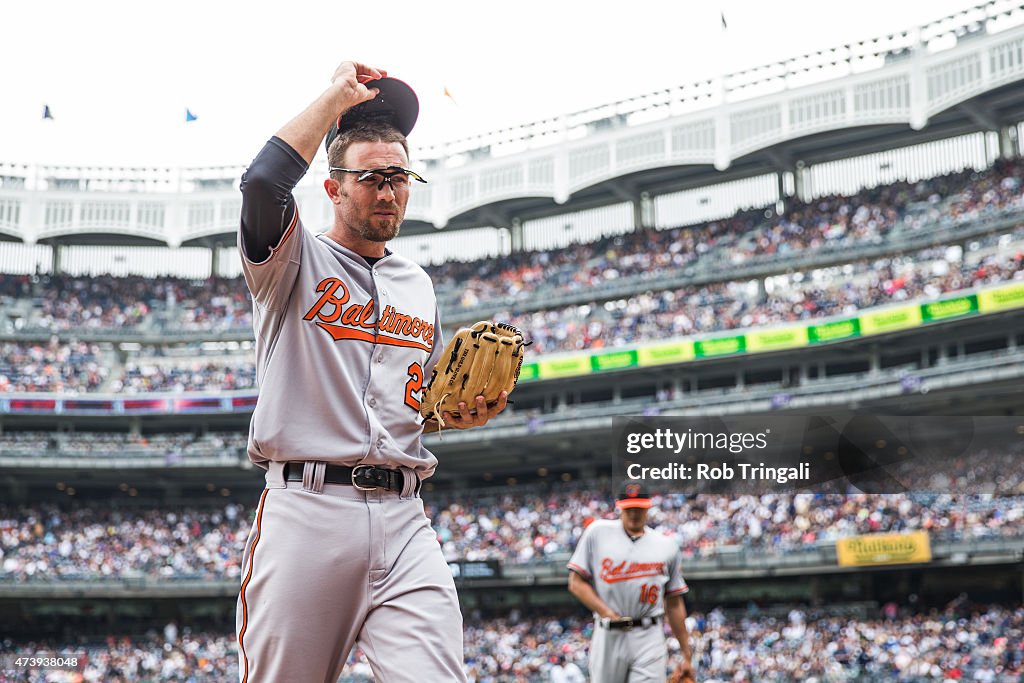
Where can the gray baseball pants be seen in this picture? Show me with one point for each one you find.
(328, 566)
(635, 656)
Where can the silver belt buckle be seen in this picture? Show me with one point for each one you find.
(362, 488)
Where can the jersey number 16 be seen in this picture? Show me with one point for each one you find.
(649, 593)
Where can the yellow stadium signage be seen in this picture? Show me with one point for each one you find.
(673, 352)
(779, 338)
(564, 367)
(1001, 298)
(891, 319)
(881, 549)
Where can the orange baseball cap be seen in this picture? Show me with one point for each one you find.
(633, 494)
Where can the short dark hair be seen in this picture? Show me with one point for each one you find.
(369, 129)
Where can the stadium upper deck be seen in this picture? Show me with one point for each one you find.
(958, 75)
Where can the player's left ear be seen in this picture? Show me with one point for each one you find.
(333, 189)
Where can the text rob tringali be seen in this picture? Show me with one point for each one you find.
(706, 472)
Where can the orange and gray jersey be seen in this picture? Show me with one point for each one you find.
(631, 576)
(342, 346)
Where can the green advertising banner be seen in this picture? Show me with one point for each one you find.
(678, 352)
(565, 367)
(890, 320)
(1001, 298)
(950, 308)
(529, 371)
(723, 346)
(782, 338)
(615, 360)
(840, 329)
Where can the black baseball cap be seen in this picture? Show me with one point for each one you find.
(396, 102)
(633, 494)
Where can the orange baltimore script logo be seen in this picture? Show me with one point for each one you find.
(613, 573)
(340, 319)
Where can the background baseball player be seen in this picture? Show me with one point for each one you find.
(630, 577)
(340, 550)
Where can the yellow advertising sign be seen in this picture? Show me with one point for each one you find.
(1001, 298)
(564, 367)
(890, 319)
(675, 352)
(875, 549)
(779, 338)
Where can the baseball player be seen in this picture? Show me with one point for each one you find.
(629, 576)
(340, 551)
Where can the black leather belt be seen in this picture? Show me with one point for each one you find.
(628, 623)
(363, 477)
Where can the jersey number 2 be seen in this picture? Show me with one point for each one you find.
(413, 386)
(649, 593)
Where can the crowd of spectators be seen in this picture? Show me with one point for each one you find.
(539, 528)
(62, 303)
(964, 642)
(984, 644)
(55, 366)
(200, 657)
(66, 303)
(73, 444)
(44, 542)
(150, 375)
(47, 543)
(837, 221)
(737, 305)
(78, 367)
(833, 222)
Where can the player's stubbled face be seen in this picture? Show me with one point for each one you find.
(374, 214)
(634, 519)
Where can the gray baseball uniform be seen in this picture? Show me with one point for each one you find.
(343, 347)
(632, 577)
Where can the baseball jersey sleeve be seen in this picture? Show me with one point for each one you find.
(267, 241)
(582, 561)
(676, 584)
(438, 347)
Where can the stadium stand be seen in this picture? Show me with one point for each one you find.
(60, 303)
(961, 641)
(123, 520)
(592, 322)
(524, 525)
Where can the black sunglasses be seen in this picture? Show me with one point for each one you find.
(386, 174)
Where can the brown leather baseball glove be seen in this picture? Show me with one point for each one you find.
(682, 674)
(482, 360)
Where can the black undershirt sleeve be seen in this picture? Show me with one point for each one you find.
(268, 205)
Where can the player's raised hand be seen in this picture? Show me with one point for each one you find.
(351, 77)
